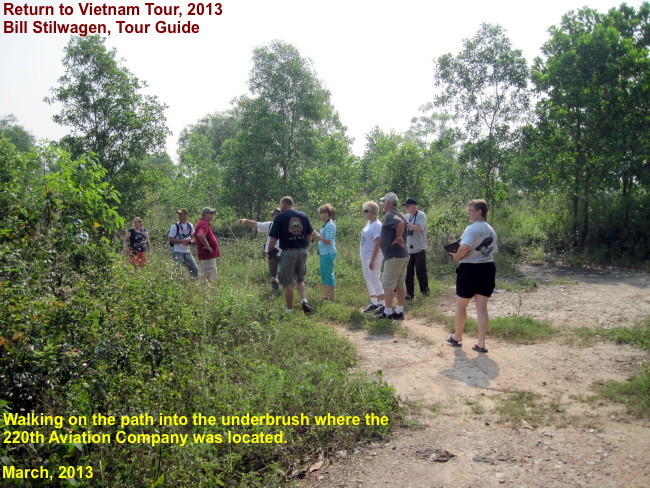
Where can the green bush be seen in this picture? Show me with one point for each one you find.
(99, 338)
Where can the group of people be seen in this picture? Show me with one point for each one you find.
(289, 236)
(182, 235)
(326, 244)
(399, 243)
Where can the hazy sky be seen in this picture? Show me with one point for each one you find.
(375, 57)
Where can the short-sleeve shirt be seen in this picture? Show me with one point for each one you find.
(389, 234)
(266, 227)
(185, 230)
(482, 239)
(328, 232)
(369, 234)
(203, 227)
(417, 241)
(291, 227)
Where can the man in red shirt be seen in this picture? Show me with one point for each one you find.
(207, 246)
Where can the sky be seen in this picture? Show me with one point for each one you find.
(375, 57)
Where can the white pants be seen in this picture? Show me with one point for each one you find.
(372, 276)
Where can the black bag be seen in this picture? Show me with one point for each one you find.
(178, 231)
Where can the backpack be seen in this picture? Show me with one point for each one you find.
(178, 231)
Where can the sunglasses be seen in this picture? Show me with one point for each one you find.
(366, 211)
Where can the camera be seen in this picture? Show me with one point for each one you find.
(409, 232)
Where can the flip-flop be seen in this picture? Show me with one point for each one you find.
(479, 349)
(454, 342)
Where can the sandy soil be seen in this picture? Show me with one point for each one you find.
(453, 434)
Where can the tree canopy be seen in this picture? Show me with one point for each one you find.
(485, 85)
(595, 82)
(109, 115)
(16, 133)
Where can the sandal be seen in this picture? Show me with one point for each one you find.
(453, 341)
(479, 349)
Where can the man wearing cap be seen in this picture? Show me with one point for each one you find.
(416, 235)
(273, 253)
(293, 229)
(180, 236)
(392, 241)
(207, 246)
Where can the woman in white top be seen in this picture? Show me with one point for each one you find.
(475, 277)
(371, 257)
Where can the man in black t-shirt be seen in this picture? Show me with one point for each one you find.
(293, 229)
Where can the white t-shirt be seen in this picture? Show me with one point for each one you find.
(369, 233)
(482, 239)
(186, 230)
(266, 227)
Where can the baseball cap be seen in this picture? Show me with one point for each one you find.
(389, 197)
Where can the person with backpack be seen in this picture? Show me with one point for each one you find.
(181, 236)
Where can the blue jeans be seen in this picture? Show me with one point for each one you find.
(187, 260)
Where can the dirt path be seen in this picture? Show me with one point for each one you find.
(457, 438)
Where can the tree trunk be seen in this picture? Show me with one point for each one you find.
(585, 224)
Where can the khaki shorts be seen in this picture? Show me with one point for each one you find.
(394, 273)
(293, 265)
(208, 268)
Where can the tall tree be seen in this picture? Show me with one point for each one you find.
(288, 85)
(485, 86)
(375, 163)
(394, 163)
(103, 104)
(16, 133)
(251, 160)
(200, 170)
(428, 127)
(595, 79)
(334, 176)
(202, 142)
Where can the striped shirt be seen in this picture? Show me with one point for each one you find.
(328, 232)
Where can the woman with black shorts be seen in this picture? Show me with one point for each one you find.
(476, 274)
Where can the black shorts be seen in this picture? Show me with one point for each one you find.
(475, 279)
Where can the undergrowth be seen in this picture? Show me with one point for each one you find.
(516, 329)
(635, 392)
(521, 406)
(125, 343)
